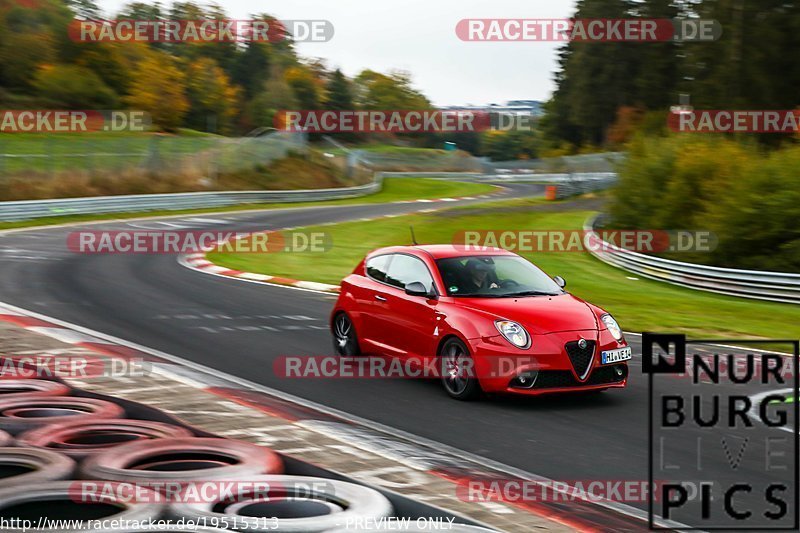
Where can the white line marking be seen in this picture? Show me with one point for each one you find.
(729, 346)
(67, 335)
(255, 277)
(315, 286)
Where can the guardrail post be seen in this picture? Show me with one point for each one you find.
(152, 162)
(49, 157)
(88, 158)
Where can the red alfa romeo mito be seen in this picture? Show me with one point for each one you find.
(489, 319)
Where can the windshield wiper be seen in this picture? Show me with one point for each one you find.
(529, 293)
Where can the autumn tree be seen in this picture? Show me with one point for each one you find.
(73, 87)
(212, 98)
(304, 86)
(159, 88)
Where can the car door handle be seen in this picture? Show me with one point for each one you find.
(380, 298)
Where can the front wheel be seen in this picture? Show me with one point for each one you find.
(345, 342)
(458, 371)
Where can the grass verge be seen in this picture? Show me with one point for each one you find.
(638, 304)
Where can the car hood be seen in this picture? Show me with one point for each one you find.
(538, 314)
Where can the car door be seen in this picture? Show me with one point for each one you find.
(373, 305)
(412, 319)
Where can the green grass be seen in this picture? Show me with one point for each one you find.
(639, 305)
(394, 189)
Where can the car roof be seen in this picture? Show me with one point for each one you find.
(442, 251)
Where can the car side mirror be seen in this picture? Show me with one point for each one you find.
(561, 282)
(415, 288)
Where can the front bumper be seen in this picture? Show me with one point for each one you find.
(546, 366)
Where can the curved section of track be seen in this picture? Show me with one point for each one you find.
(241, 328)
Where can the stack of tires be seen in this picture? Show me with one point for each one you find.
(65, 457)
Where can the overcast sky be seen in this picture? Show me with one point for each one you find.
(419, 36)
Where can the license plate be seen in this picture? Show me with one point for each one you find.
(615, 356)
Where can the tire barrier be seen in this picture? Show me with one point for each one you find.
(292, 504)
(84, 438)
(24, 414)
(15, 389)
(26, 466)
(62, 438)
(182, 459)
(57, 501)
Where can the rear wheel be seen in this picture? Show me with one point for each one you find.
(345, 342)
(458, 371)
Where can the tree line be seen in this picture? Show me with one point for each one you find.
(743, 187)
(219, 87)
(606, 91)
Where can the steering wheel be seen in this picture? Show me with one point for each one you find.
(508, 283)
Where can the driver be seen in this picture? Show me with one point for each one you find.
(478, 275)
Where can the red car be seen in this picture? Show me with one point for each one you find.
(489, 319)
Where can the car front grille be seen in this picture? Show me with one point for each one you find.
(581, 357)
(604, 375)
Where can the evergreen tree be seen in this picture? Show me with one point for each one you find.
(339, 96)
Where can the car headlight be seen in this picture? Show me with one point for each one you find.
(612, 326)
(514, 333)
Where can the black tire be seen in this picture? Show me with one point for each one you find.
(25, 414)
(29, 466)
(182, 459)
(60, 501)
(84, 438)
(300, 503)
(345, 340)
(458, 371)
(16, 389)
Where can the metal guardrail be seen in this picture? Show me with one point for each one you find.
(599, 162)
(761, 285)
(568, 184)
(30, 209)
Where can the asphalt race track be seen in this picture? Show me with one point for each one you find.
(240, 328)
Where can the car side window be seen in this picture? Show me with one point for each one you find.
(377, 267)
(405, 269)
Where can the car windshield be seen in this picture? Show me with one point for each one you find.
(494, 277)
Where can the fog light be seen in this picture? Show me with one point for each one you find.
(619, 371)
(526, 380)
